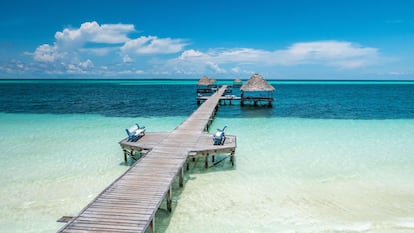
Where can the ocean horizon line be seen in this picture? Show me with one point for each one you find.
(219, 81)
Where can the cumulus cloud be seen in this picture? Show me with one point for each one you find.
(332, 53)
(339, 54)
(153, 45)
(93, 32)
(215, 68)
(107, 44)
(108, 38)
(112, 48)
(81, 67)
(71, 42)
(46, 53)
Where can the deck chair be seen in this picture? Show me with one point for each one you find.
(135, 132)
(219, 137)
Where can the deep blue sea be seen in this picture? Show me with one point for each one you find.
(146, 98)
(332, 157)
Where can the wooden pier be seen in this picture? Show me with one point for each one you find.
(129, 204)
(223, 99)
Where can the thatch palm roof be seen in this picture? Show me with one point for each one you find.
(237, 80)
(204, 81)
(257, 83)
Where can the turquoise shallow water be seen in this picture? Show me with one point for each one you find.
(292, 174)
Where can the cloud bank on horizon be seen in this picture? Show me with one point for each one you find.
(95, 49)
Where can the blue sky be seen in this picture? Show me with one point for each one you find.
(222, 39)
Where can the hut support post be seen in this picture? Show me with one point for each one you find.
(206, 161)
(169, 199)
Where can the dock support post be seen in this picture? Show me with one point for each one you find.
(151, 227)
(206, 162)
(181, 177)
(169, 199)
(213, 158)
(125, 156)
(232, 160)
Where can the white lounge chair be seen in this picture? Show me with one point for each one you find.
(135, 132)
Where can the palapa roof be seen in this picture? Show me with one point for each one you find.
(257, 83)
(238, 80)
(204, 81)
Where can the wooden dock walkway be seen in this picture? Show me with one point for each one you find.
(129, 204)
(223, 99)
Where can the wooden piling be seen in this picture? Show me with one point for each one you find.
(169, 199)
(181, 177)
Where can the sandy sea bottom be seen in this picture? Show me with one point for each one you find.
(291, 175)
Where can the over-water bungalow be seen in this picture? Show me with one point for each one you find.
(237, 82)
(257, 90)
(205, 85)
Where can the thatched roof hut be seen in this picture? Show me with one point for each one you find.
(237, 82)
(204, 81)
(257, 84)
(213, 80)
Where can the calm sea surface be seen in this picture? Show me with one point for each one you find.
(321, 100)
(331, 157)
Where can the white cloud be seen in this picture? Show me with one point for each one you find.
(339, 54)
(190, 54)
(153, 45)
(110, 48)
(131, 72)
(332, 53)
(235, 69)
(72, 43)
(81, 67)
(46, 53)
(110, 45)
(216, 68)
(86, 64)
(99, 51)
(127, 59)
(93, 32)
(397, 73)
